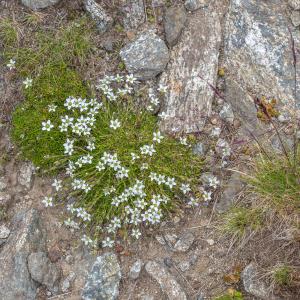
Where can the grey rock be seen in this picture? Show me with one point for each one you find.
(226, 113)
(200, 149)
(25, 174)
(252, 284)
(38, 4)
(295, 17)
(184, 265)
(174, 21)
(258, 50)
(185, 242)
(99, 15)
(135, 269)
(26, 236)
(147, 297)
(4, 198)
(103, 279)
(221, 145)
(4, 233)
(295, 4)
(167, 282)
(108, 45)
(134, 14)
(194, 61)
(43, 271)
(193, 5)
(3, 184)
(231, 191)
(66, 284)
(145, 57)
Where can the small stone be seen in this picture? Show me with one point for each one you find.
(184, 265)
(160, 239)
(99, 15)
(108, 45)
(210, 242)
(104, 279)
(167, 282)
(25, 175)
(171, 239)
(295, 17)
(145, 57)
(226, 113)
(37, 4)
(185, 242)
(3, 184)
(200, 149)
(147, 297)
(174, 22)
(4, 232)
(294, 4)
(70, 259)
(284, 118)
(135, 269)
(43, 271)
(66, 284)
(193, 5)
(252, 283)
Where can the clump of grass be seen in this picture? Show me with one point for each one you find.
(231, 294)
(240, 221)
(8, 33)
(277, 182)
(282, 275)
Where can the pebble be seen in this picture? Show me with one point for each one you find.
(135, 269)
(185, 242)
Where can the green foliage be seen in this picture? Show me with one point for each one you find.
(8, 33)
(231, 294)
(277, 182)
(240, 220)
(282, 275)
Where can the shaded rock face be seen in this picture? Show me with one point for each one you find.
(103, 279)
(167, 282)
(174, 22)
(295, 4)
(26, 236)
(43, 271)
(145, 57)
(194, 61)
(258, 52)
(134, 14)
(99, 15)
(37, 4)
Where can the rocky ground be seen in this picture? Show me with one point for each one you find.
(187, 45)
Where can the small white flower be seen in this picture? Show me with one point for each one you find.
(108, 242)
(100, 166)
(163, 115)
(134, 156)
(115, 124)
(185, 188)
(57, 184)
(131, 79)
(47, 126)
(213, 182)
(216, 131)
(206, 196)
(170, 182)
(149, 108)
(52, 107)
(154, 101)
(162, 88)
(193, 202)
(136, 233)
(144, 166)
(69, 147)
(48, 201)
(183, 141)
(27, 82)
(11, 64)
(91, 146)
(157, 137)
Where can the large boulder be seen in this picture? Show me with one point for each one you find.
(37, 4)
(191, 71)
(26, 236)
(103, 279)
(145, 57)
(258, 55)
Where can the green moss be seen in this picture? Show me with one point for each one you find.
(231, 295)
(282, 275)
(8, 33)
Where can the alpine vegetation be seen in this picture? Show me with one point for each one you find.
(115, 169)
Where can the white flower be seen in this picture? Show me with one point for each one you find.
(115, 124)
(162, 88)
(131, 79)
(72, 224)
(216, 131)
(134, 156)
(69, 147)
(123, 172)
(183, 141)
(27, 82)
(149, 108)
(118, 78)
(206, 196)
(91, 146)
(48, 201)
(213, 182)
(144, 166)
(100, 166)
(193, 202)
(157, 137)
(136, 233)
(148, 149)
(52, 107)
(163, 115)
(88, 241)
(170, 182)
(57, 184)
(47, 126)
(160, 179)
(153, 176)
(11, 64)
(108, 242)
(154, 101)
(185, 188)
